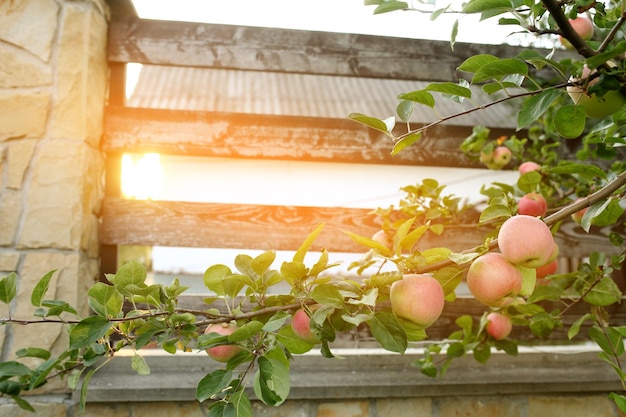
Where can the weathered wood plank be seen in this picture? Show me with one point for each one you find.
(288, 50)
(201, 133)
(245, 226)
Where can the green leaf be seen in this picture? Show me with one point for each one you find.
(105, 300)
(575, 327)
(291, 342)
(500, 68)
(214, 277)
(569, 121)
(602, 213)
(480, 6)
(536, 106)
(369, 243)
(241, 404)
(419, 96)
(306, 245)
(88, 331)
(476, 62)
(494, 212)
(529, 182)
(450, 88)
(276, 321)
(271, 381)
(8, 288)
(388, 332)
(603, 294)
(261, 263)
(246, 331)
(131, 273)
(23, 404)
(529, 279)
(405, 142)
(328, 295)
(405, 109)
(213, 384)
(572, 168)
(620, 401)
(542, 324)
(41, 288)
(83, 390)
(33, 352)
(368, 121)
(13, 368)
(390, 6)
(139, 365)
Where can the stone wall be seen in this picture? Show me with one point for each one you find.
(53, 79)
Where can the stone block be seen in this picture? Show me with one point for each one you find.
(481, 407)
(286, 409)
(81, 74)
(24, 114)
(344, 409)
(571, 406)
(10, 211)
(19, 69)
(35, 35)
(9, 261)
(42, 409)
(404, 407)
(19, 154)
(54, 204)
(144, 409)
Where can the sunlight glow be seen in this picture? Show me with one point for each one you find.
(142, 179)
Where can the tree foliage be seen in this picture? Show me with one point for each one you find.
(129, 313)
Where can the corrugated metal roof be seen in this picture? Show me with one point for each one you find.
(189, 88)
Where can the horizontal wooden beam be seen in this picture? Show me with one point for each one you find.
(266, 227)
(289, 50)
(239, 135)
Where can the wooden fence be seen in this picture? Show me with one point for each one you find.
(183, 132)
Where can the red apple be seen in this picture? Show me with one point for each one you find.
(418, 298)
(583, 26)
(493, 280)
(222, 353)
(528, 166)
(525, 240)
(499, 326)
(301, 325)
(532, 204)
(547, 269)
(383, 238)
(595, 107)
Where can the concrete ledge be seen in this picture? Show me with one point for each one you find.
(370, 373)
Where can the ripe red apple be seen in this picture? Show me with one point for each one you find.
(547, 269)
(528, 166)
(532, 204)
(583, 26)
(493, 280)
(222, 353)
(501, 157)
(418, 298)
(301, 325)
(499, 326)
(525, 240)
(383, 238)
(595, 107)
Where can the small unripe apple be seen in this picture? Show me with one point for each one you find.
(528, 166)
(501, 157)
(525, 240)
(581, 25)
(222, 353)
(499, 326)
(418, 298)
(595, 107)
(493, 280)
(532, 204)
(301, 325)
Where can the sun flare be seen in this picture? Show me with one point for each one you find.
(142, 176)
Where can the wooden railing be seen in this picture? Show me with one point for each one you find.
(203, 133)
